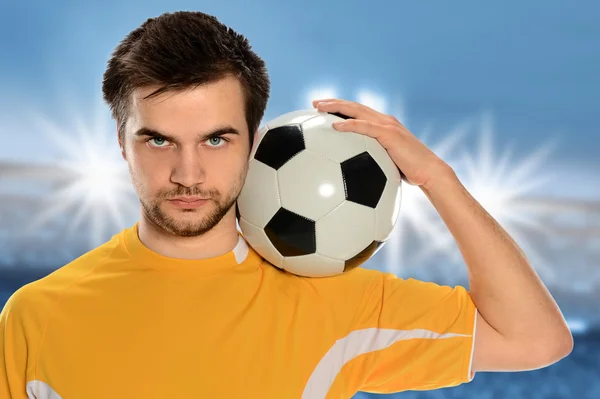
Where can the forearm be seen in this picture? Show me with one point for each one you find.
(505, 288)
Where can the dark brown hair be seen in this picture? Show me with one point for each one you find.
(182, 50)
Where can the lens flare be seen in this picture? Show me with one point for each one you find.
(96, 189)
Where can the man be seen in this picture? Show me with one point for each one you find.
(179, 306)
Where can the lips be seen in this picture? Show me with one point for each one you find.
(187, 204)
(188, 199)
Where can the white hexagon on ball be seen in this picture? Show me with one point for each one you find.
(320, 137)
(313, 265)
(294, 117)
(310, 185)
(259, 198)
(387, 210)
(345, 231)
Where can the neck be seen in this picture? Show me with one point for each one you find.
(215, 242)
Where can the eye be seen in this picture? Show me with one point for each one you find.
(158, 141)
(212, 140)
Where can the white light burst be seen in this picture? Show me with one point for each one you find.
(97, 189)
(372, 100)
(419, 233)
(501, 185)
(318, 93)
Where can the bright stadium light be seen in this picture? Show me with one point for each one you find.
(577, 325)
(500, 183)
(417, 215)
(372, 100)
(319, 93)
(98, 188)
(379, 103)
(418, 218)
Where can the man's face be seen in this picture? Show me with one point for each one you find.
(186, 163)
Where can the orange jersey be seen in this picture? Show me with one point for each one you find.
(122, 321)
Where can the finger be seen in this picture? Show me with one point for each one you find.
(353, 110)
(361, 126)
(315, 102)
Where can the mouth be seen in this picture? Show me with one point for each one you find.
(178, 203)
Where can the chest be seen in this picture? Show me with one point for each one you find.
(185, 344)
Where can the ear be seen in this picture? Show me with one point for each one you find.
(121, 144)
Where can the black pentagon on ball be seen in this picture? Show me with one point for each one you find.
(364, 180)
(279, 145)
(363, 256)
(292, 234)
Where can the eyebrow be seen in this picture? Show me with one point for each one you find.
(221, 131)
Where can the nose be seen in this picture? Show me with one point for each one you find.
(188, 170)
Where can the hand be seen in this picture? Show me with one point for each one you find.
(418, 165)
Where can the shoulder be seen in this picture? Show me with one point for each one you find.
(345, 288)
(358, 278)
(383, 287)
(39, 296)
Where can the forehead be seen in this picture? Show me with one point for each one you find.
(190, 110)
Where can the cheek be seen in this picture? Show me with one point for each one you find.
(240, 178)
(225, 179)
(145, 175)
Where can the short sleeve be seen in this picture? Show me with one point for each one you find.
(420, 336)
(13, 351)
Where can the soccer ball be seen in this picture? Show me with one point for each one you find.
(317, 202)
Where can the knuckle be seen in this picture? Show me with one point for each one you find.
(392, 119)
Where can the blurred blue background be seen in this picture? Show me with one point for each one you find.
(505, 92)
